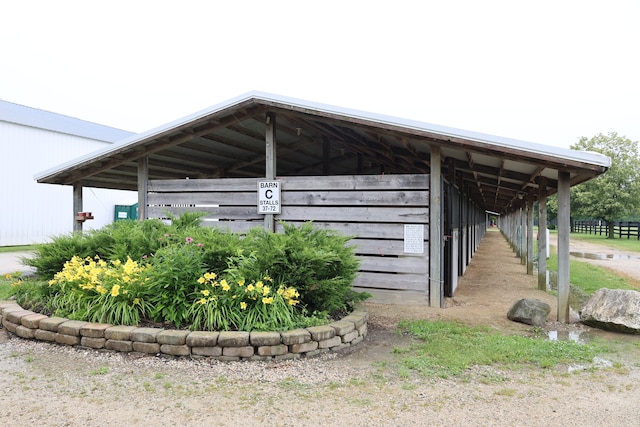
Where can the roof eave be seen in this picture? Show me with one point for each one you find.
(558, 157)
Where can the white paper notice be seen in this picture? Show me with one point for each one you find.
(413, 238)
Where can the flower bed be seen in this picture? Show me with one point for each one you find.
(225, 346)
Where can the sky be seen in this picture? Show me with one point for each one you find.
(542, 71)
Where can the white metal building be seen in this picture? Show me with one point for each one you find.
(33, 140)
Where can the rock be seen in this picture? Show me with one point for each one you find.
(613, 310)
(529, 311)
(574, 316)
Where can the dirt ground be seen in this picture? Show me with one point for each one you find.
(54, 385)
(496, 278)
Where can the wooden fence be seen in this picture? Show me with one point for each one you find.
(620, 229)
(387, 214)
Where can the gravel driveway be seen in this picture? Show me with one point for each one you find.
(50, 385)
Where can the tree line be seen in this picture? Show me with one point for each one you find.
(614, 195)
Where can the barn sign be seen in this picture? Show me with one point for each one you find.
(268, 197)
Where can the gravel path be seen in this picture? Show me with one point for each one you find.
(622, 262)
(50, 385)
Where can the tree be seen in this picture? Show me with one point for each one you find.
(616, 193)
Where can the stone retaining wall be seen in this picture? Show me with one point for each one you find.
(227, 346)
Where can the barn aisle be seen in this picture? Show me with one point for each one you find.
(494, 280)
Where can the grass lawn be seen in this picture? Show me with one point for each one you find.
(25, 248)
(450, 349)
(624, 244)
(590, 277)
(6, 290)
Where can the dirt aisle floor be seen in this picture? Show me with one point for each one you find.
(494, 280)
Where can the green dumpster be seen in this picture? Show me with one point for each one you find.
(125, 211)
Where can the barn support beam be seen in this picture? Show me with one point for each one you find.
(563, 245)
(270, 162)
(542, 235)
(77, 205)
(530, 233)
(143, 187)
(522, 244)
(436, 238)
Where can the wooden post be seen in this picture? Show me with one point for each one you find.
(563, 245)
(270, 165)
(77, 205)
(530, 233)
(143, 187)
(521, 242)
(542, 234)
(436, 237)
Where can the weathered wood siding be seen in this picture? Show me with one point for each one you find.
(372, 208)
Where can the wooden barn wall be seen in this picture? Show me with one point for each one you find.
(372, 208)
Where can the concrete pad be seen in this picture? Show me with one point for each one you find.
(10, 262)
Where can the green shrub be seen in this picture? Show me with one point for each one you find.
(187, 221)
(317, 262)
(48, 259)
(218, 248)
(130, 239)
(33, 295)
(173, 279)
(119, 240)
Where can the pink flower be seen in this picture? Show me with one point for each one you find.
(188, 239)
(200, 245)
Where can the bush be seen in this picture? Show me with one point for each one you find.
(49, 258)
(33, 295)
(316, 262)
(314, 268)
(173, 277)
(119, 240)
(130, 239)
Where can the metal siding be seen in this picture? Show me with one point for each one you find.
(33, 117)
(32, 212)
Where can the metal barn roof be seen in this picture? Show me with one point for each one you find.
(33, 117)
(228, 140)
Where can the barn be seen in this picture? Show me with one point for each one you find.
(413, 195)
(32, 140)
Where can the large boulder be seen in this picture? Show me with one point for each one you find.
(613, 310)
(529, 311)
